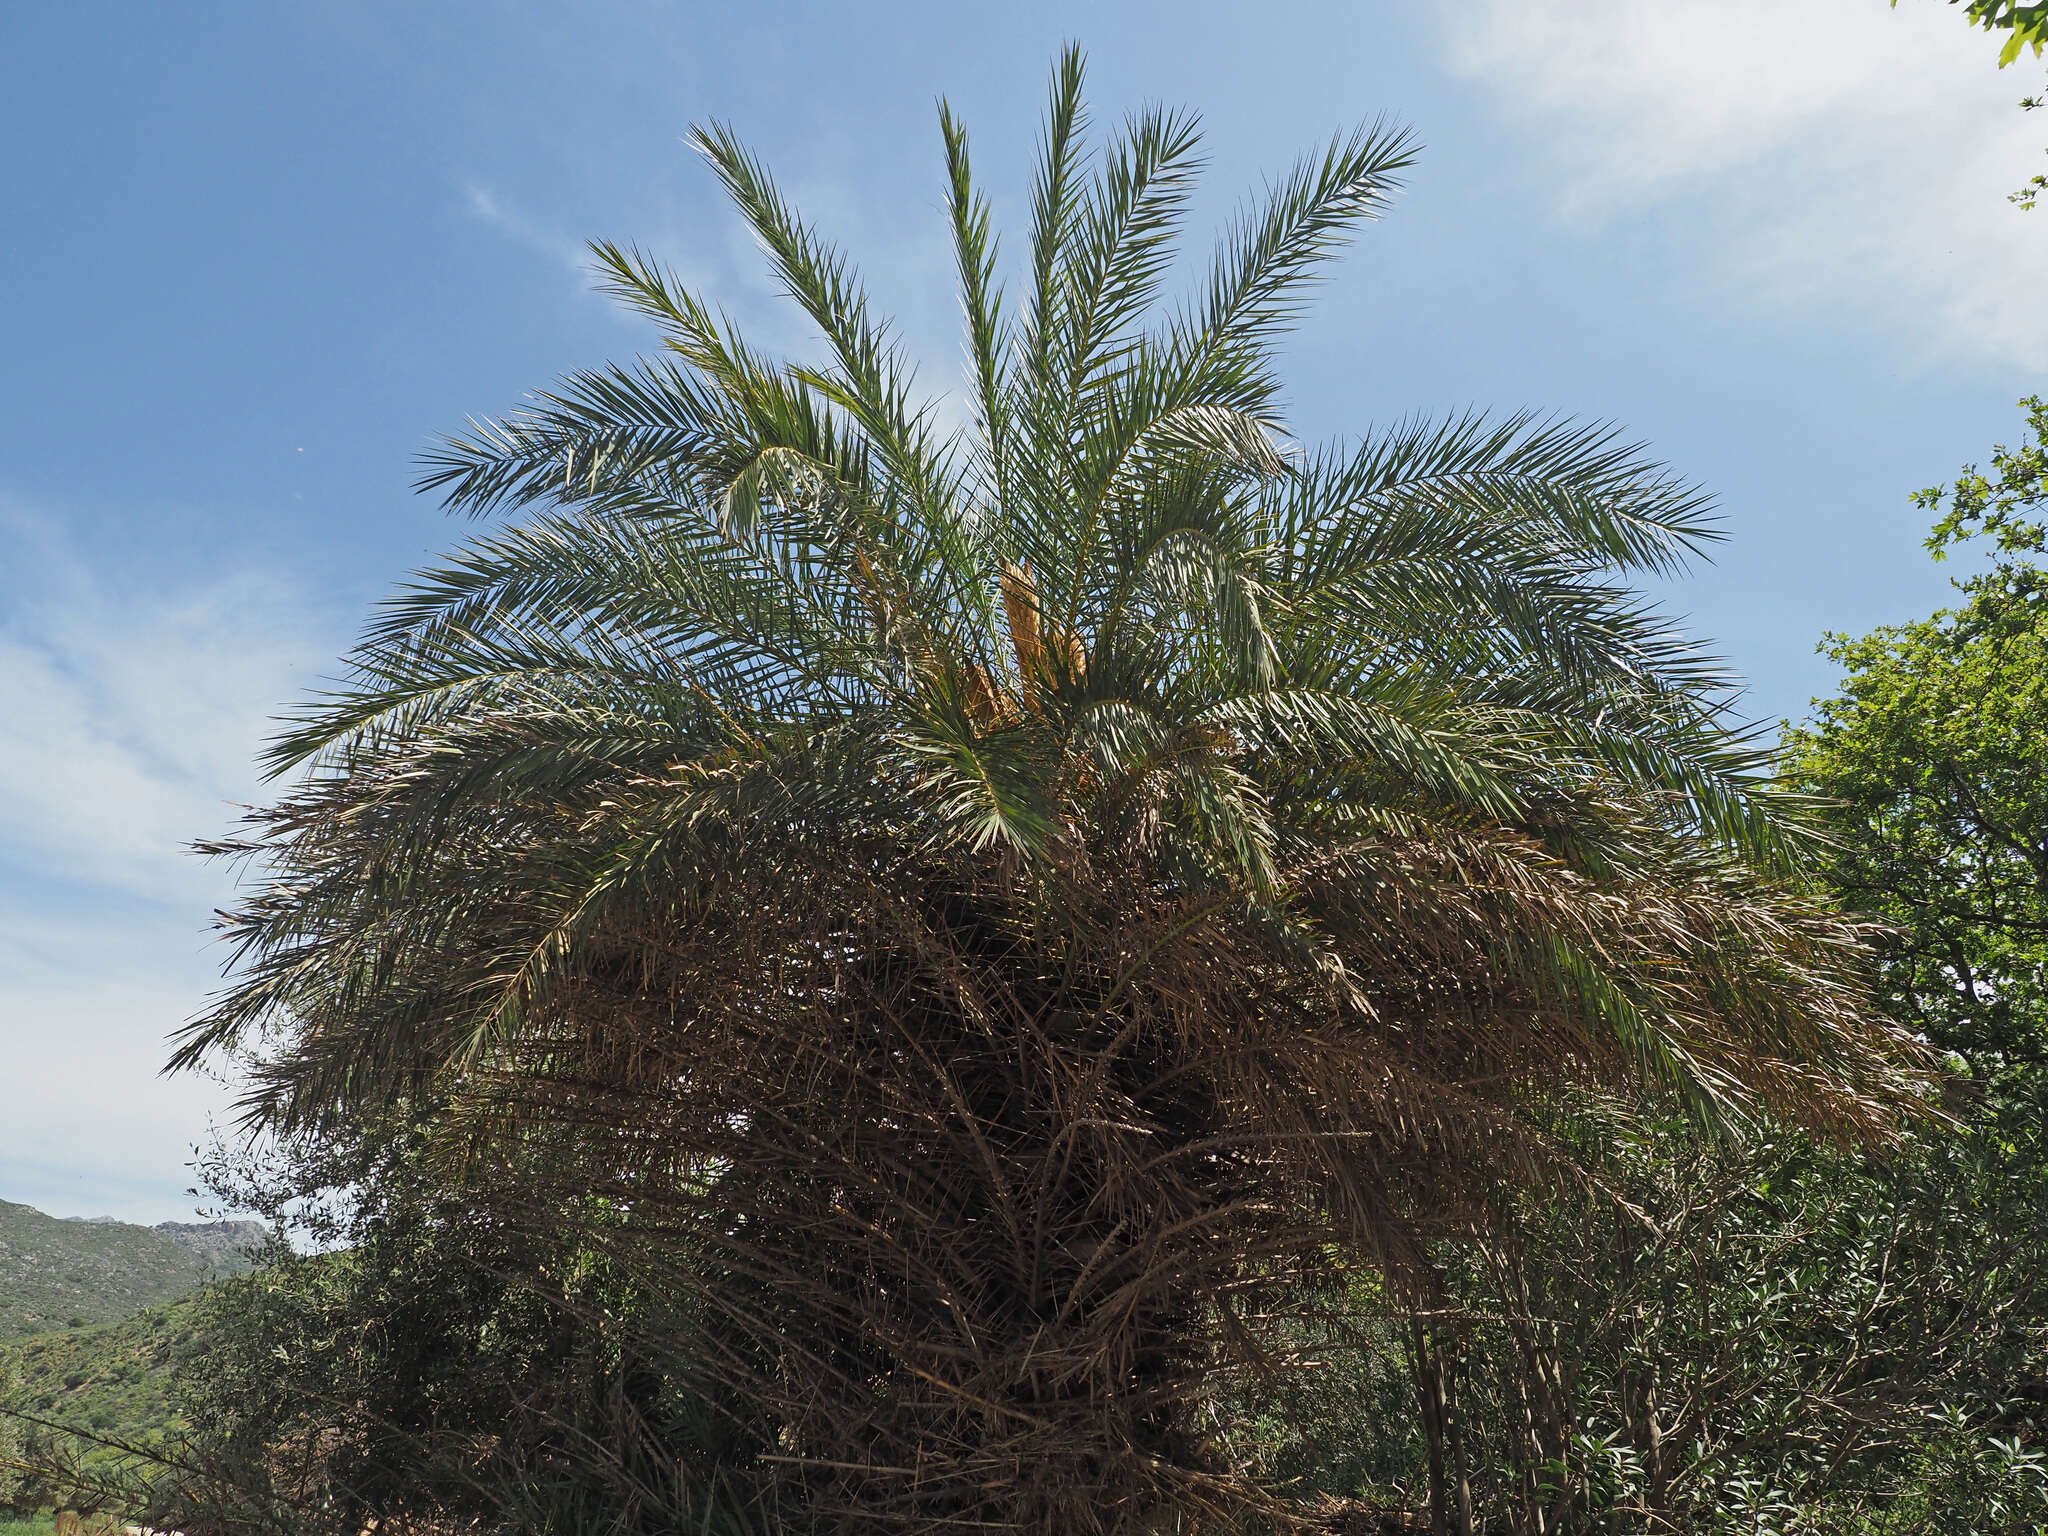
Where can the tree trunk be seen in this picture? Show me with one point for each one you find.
(1430, 1398)
(1454, 1428)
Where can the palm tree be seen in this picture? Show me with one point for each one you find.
(1032, 900)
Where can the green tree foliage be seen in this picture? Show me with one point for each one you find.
(1040, 903)
(1784, 1327)
(1998, 505)
(1933, 762)
(415, 1358)
(1708, 1338)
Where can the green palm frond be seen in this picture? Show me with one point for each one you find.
(732, 546)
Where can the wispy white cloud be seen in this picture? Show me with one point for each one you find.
(522, 229)
(133, 716)
(135, 705)
(1835, 150)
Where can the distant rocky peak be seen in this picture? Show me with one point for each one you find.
(215, 1239)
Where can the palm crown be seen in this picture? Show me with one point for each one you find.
(1354, 782)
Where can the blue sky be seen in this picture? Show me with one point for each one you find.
(258, 254)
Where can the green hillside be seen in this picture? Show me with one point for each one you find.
(71, 1274)
(113, 1380)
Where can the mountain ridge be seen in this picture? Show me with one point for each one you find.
(58, 1273)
